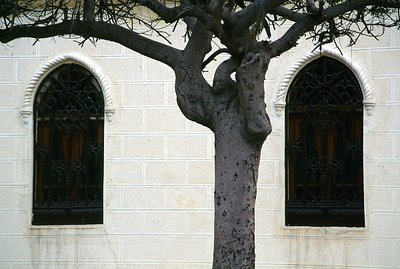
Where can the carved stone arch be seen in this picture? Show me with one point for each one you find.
(76, 58)
(280, 99)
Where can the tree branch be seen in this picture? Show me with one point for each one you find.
(250, 77)
(254, 12)
(167, 14)
(332, 12)
(199, 44)
(121, 35)
(288, 14)
(289, 39)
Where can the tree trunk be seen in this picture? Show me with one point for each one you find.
(236, 172)
(235, 112)
(241, 125)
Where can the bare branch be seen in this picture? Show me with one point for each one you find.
(121, 35)
(289, 39)
(254, 12)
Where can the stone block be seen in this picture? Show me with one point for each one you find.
(397, 200)
(397, 38)
(24, 172)
(383, 173)
(143, 197)
(379, 146)
(382, 89)
(187, 147)
(11, 95)
(165, 172)
(7, 119)
(365, 42)
(274, 147)
(95, 248)
(13, 198)
(385, 62)
(273, 250)
(144, 147)
(103, 48)
(6, 169)
(397, 254)
(53, 47)
(142, 248)
(123, 222)
(397, 146)
(313, 251)
(165, 120)
(384, 224)
(397, 90)
(125, 172)
(114, 147)
(112, 197)
(170, 93)
(18, 48)
(383, 119)
(13, 147)
(267, 173)
(201, 223)
(201, 172)
(128, 121)
(21, 222)
(187, 249)
(6, 223)
(204, 265)
(269, 198)
(123, 69)
(380, 200)
(27, 68)
(364, 253)
(140, 265)
(15, 249)
(7, 67)
(267, 222)
(165, 222)
(156, 71)
(186, 197)
(144, 94)
(53, 248)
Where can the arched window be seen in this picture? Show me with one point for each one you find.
(324, 147)
(68, 148)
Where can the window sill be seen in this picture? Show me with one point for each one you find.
(50, 230)
(324, 231)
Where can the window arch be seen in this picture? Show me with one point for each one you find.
(324, 140)
(68, 148)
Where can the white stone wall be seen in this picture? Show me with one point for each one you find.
(158, 184)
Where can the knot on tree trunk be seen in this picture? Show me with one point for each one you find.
(250, 78)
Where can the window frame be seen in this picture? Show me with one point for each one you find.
(60, 216)
(311, 218)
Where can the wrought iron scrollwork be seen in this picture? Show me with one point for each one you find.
(69, 118)
(324, 146)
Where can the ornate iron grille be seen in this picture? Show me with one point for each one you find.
(68, 150)
(324, 146)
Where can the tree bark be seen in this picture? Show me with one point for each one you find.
(240, 127)
(236, 172)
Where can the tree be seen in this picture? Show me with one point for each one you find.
(233, 106)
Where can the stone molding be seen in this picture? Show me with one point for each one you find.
(280, 99)
(73, 57)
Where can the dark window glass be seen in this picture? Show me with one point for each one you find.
(324, 147)
(68, 148)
